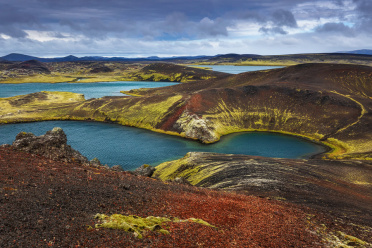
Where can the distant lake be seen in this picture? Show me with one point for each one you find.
(90, 90)
(100, 89)
(131, 147)
(238, 69)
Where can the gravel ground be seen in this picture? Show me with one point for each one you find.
(44, 203)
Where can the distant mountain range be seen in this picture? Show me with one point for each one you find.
(16, 57)
(362, 51)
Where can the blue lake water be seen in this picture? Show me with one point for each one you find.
(90, 90)
(131, 147)
(238, 69)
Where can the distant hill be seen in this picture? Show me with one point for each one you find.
(16, 57)
(31, 65)
(361, 51)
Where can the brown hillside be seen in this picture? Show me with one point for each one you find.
(32, 66)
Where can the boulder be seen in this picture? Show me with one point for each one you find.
(117, 168)
(96, 163)
(144, 170)
(52, 145)
(196, 127)
(181, 180)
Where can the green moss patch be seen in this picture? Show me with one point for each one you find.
(186, 168)
(138, 225)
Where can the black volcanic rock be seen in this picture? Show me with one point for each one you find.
(101, 69)
(52, 145)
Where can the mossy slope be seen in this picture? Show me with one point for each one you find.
(168, 72)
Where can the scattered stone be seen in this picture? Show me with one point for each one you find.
(95, 162)
(144, 170)
(181, 180)
(117, 168)
(124, 186)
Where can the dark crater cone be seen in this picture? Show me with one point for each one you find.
(31, 65)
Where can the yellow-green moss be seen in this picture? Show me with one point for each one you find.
(337, 148)
(138, 225)
(146, 115)
(41, 107)
(184, 168)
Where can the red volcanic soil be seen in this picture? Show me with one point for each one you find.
(46, 203)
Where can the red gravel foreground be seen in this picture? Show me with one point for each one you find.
(44, 203)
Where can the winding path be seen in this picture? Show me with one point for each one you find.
(363, 111)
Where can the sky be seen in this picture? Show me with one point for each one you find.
(141, 28)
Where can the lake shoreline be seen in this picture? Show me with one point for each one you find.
(190, 145)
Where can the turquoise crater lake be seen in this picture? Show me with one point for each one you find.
(131, 147)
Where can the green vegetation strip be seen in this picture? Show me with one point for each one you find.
(138, 225)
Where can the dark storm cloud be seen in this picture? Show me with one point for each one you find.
(149, 9)
(332, 27)
(364, 8)
(277, 21)
(195, 18)
(12, 21)
(284, 18)
(311, 10)
(274, 30)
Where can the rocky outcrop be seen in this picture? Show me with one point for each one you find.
(196, 127)
(341, 187)
(52, 145)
